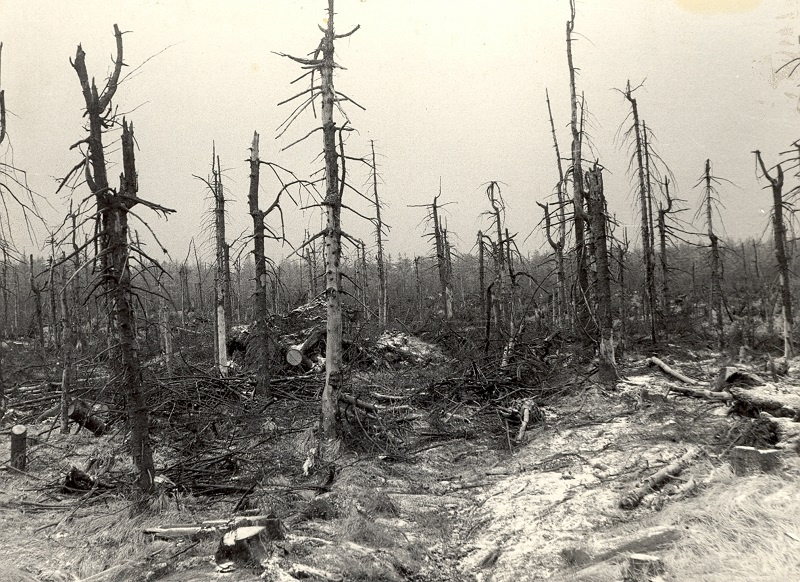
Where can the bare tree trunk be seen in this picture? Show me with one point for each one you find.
(645, 213)
(113, 210)
(481, 276)
(222, 274)
(779, 239)
(597, 212)
(419, 285)
(577, 183)
(68, 373)
(383, 293)
(716, 261)
(260, 340)
(662, 237)
(37, 307)
(558, 244)
(441, 260)
(333, 236)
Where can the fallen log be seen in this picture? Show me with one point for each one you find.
(208, 527)
(654, 361)
(751, 402)
(700, 393)
(633, 498)
(82, 414)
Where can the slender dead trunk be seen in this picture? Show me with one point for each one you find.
(779, 240)
(222, 274)
(558, 244)
(481, 276)
(68, 372)
(650, 300)
(38, 318)
(383, 293)
(662, 239)
(442, 257)
(260, 341)
(716, 261)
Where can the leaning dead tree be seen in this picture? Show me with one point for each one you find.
(114, 251)
(779, 240)
(557, 243)
(320, 66)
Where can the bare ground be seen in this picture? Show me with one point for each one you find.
(477, 508)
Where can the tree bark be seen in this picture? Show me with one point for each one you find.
(260, 341)
(716, 261)
(607, 371)
(645, 213)
(113, 208)
(779, 239)
(383, 294)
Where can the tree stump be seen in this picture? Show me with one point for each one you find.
(19, 446)
(248, 545)
(642, 568)
(748, 460)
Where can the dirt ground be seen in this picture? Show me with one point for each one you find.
(475, 508)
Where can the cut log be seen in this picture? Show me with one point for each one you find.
(749, 460)
(297, 355)
(81, 414)
(213, 526)
(77, 481)
(632, 499)
(19, 446)
(670, 372)
(642, 568)
(765, 399)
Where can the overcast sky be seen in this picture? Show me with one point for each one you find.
(451, 89)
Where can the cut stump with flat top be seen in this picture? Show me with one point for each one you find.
(748, 460)
(19, 446)
(247, 545)
(642, 568)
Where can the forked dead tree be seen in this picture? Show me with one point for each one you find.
(779, 240)
(113, 207)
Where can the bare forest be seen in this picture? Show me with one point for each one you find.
(598, 381)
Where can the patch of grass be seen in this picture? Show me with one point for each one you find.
(740, 530)
(358, 528)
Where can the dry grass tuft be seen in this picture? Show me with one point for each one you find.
(740, 530)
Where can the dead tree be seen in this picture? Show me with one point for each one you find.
(112, 239)
(383, 292)
(779, 240)
(598, 226)
(557, 243)
(709, 199)
(260, 341)
(322, 64)
(577, 180)
(442, 258)
(645, 212)
(38, 318)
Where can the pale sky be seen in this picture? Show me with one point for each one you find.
(451, 89)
